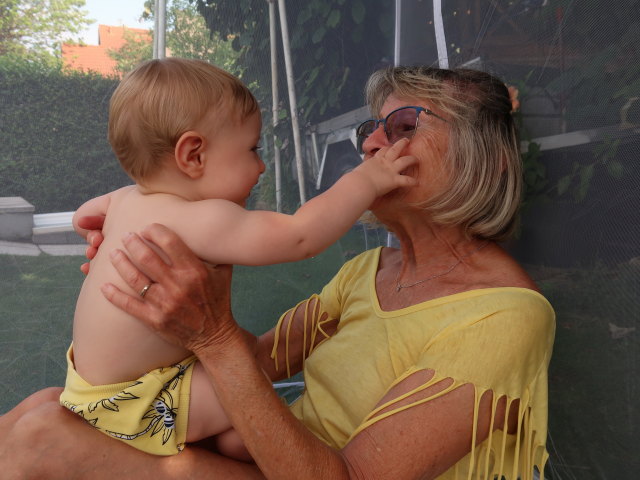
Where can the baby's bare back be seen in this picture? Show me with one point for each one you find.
(109, 345)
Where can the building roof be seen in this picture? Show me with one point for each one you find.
(95, 58)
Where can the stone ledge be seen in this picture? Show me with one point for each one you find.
(16, 219)
(15, 205)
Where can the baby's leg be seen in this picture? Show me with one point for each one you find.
(206, 416)
(231, 445)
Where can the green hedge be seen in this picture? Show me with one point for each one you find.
(53, 124)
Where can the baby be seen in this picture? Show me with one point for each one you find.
(187, 133)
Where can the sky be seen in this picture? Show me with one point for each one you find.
(113, 12)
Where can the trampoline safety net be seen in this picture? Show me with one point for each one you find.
(576, 65)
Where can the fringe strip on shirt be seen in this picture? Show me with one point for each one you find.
(311, 328)
(487, 460)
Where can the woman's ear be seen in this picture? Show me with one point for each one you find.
(188, 154)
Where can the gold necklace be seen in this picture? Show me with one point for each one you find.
(400, 286)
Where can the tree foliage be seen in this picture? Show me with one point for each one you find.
(35, 28)
(335, 45)
(136, 49)
(186, 36)
(53, 124)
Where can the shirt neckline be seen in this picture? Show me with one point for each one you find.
(434, 301)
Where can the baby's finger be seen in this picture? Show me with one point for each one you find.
(91, 222)
(397, 147)
(406, 181)
(403, 162)
(95, 238)
(90, 252)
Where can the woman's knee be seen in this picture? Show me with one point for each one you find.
(36, 423)
(30, 447)
(33, 401)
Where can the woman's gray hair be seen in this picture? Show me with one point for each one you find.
(483, 157)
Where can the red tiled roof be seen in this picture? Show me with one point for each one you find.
(96, 58)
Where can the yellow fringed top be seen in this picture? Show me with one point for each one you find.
(497, 339)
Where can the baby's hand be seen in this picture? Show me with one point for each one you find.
(92, 227)
(384, 169)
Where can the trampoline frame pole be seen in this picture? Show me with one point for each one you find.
(275, 100)
(160, 29)
(286, 46)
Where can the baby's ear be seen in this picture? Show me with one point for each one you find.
(188, 154)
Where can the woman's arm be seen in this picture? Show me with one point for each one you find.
(420, 442)
(295, 337)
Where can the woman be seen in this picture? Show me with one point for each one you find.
(422, 362)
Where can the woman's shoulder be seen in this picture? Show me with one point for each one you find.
(499, 269)
(356, 271)
(510, 298)
(364, 260)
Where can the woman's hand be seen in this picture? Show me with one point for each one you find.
(94, 238)
(187, 302)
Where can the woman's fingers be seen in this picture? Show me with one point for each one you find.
(129, 272)
(139, 304)
(170, 260)
(171, 245)
(172, 291)
(152, 262)
(134, 306)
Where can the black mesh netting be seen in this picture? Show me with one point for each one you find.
(576, 65)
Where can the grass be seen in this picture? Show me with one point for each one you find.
(38, 297)
(39, 294)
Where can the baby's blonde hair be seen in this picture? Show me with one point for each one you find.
(160, 100)
(483, 157)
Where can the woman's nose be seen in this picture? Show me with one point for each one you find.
(375, 141)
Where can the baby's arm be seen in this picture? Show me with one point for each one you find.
(97, 206)
(228, 233)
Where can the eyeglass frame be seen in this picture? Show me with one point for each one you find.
(360, 139)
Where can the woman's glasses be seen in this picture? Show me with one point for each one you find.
(401, 123)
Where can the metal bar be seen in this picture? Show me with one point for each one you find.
(441, 42)
(396, 36)
(314, 144)
(275, 100)
(156, 27)
(292, 98)
(161, 28)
